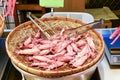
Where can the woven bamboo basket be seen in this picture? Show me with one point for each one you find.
(24, 30)
(2, 25)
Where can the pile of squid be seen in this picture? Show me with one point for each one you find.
(59, 50)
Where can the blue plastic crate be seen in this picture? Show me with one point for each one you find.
(106, 34)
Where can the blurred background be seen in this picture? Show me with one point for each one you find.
(108, 9)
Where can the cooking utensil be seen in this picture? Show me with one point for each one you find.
(46, 31)
(49, 31)
(84, 28)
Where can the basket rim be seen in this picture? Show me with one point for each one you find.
(52, 73)
(2, 26)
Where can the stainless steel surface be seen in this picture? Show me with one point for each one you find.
(16, 75)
